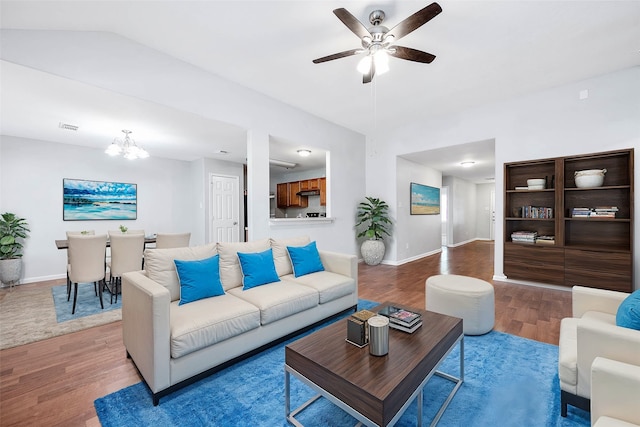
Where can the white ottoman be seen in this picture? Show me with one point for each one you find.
(460, 296)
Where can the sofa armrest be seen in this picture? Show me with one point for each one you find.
(615, 390)
(600, 339)
(146, 328)
(340, 263)
(592, 299)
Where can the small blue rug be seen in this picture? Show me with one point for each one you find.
(508, 381)
(88, 303)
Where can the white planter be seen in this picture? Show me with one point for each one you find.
(10, 270)
(372, 251)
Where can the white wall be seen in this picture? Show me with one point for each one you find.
(31, 174)
(130, 69)
(545, 124)
(413, 236)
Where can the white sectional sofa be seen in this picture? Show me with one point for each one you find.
(174, 345)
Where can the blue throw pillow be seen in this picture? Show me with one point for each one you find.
(257, 269)
(628, 315)
(199, 279)
(305, 259)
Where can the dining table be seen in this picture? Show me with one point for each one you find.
(64, 244)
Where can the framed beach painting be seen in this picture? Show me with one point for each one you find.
(425, 200)
(85, 200)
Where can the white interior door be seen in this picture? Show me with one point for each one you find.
(224, 217)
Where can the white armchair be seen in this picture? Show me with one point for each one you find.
(615, 393)
(590, 333)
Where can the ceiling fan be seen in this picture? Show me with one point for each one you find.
(378, 41)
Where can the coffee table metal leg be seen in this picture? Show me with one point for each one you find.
(458, 381)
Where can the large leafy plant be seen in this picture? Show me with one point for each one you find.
(12, 228)
(374, 215)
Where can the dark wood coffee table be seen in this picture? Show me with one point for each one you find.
(374, 390)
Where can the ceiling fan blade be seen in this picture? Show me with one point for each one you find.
(337, 56)
(366, 78)
(352, 23)
(411, 54)
(415, 21)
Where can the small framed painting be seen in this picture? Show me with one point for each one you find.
(85, 200)
(425, 200)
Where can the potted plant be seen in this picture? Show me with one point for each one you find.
(12, 229)
(374, 216)
(123, 229)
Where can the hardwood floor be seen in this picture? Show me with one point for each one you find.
(54, 382)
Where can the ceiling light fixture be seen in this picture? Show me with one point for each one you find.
(379, 58)
(467, 164)
(304, 153)
(127, 147)
(282, 163)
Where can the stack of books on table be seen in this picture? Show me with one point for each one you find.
(604, 211)
(402, 319)
(524, 236)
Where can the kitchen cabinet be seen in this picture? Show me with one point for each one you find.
(296, 201)
(587, 250)
(287, 196)
(310, 184)
(287, 192)
(323, 191)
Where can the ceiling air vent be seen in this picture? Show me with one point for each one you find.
(67, 126)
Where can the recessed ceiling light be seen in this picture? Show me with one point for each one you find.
(304, 153)
(467, 164)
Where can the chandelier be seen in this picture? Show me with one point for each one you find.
(127, 147)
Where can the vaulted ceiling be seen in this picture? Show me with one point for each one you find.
(486, 51)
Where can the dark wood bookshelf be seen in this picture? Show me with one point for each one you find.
(588, 251)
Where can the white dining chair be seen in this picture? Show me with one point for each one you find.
(172, 240)
(87, 256)
(126, 255)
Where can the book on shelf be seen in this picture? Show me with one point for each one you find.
(400, 316)
(600, 211)
(546, 240)
(409, 330)
(536, 212)
(524, 236)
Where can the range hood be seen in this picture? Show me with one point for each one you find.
(308, 193)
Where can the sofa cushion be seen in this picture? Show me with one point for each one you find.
(568, 355)
(230, 273)
(278, 300)
(628, 315)
(329, 285)
(159, 265)
(257, 269)
(305, 259)
(281, 255)
(209, 321)
(199, 279)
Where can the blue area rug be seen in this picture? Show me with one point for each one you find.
(88, 303)
(509, 381)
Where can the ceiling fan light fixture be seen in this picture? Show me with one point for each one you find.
(381, 60)
(364, 65)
